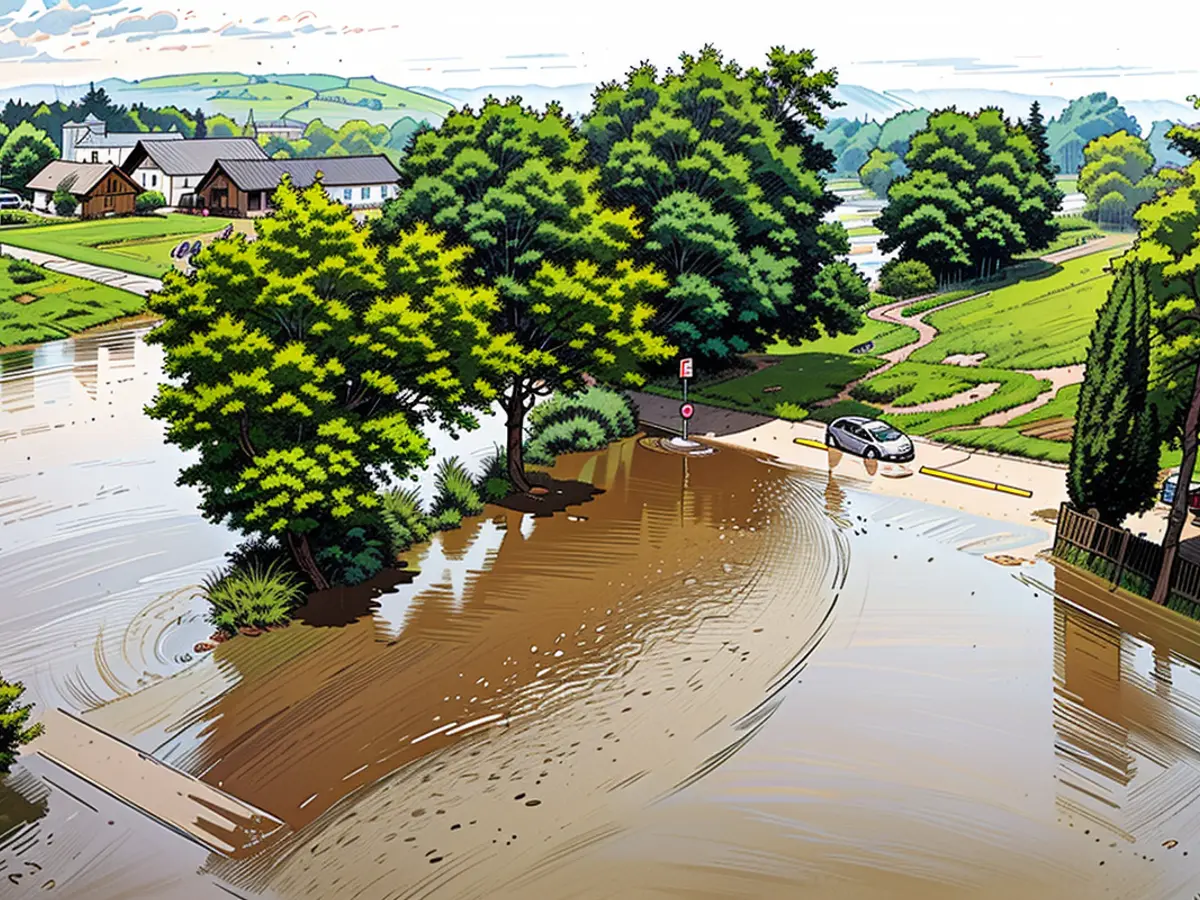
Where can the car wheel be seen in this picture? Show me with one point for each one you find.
(870, 453)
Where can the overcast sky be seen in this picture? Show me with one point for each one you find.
(1030, 46)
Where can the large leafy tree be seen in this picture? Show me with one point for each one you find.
(1117, 177)
(515, 187)
(25, 152)
(1186, 139)
(880, 170)
(973, 199)
(1168, 247)
(716, 161)
(301, 381)
(1084, 120)
(1115, 447)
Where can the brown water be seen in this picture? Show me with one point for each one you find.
(720, 678)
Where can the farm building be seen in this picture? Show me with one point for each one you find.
(102, 189)
(244, 187)
(174, 169)
(90, 141)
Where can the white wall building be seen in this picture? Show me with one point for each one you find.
(176, 168)
(90, 141)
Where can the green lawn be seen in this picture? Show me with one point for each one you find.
(863, 231)
(940, 300)
(887, 337)
(1041, 322)
(1009, 440)
(56, 306)
(911, 384)
(99, 241)
(1068, 184)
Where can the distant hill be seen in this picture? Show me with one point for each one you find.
(300, 97)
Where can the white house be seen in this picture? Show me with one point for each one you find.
(90, 141)
(176, 168)
(244, 187)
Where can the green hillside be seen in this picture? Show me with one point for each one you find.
(203, 79)
(315, 83)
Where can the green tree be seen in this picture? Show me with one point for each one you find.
(879, 171)
(905, 278)
(1117, 178)
(201, 130)
(1084, 120)
(514, 186)
(301, 382)
(1114, 451)
(1035, 127)
(850, 142)
(1168, 246)
(221, 126)
(733, 207)
(973, 199)
(25, 152)
(896, 134)
(14, 728)
(1186, 139)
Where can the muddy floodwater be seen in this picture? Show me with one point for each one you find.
(720, 677)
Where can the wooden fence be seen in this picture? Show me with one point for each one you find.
(1117, 553)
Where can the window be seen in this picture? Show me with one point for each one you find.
(383, 191)
(153, 181)
(185, 182)
(95, 156)
(366, 193)
(348, 194)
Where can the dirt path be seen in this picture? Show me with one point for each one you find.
(1059, 378)
(892, 314)
(1088, 248)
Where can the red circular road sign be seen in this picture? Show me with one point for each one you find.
(687, 410)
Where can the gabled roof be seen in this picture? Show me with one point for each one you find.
(126, 139)
(337, 171)
(87, 176)
(194, 157)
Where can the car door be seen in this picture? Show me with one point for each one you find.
(855, 442)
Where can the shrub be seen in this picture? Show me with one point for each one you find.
(493, 483)
(22, 272)
(405, 521)
(352, 560)
(456, 495)
(610, 409)
(906, 278)
(18, 217)
(14, 732)
(252, 596)
(64, 201)
(149, 201)
(791, 412)
(572, 435)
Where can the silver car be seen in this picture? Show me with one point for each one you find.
(869, 438)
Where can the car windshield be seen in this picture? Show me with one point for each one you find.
(884, 432)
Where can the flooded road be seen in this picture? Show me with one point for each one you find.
(718, 678)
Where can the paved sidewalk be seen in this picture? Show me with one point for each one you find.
(135, 284)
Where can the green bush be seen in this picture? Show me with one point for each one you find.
(149, 201)
(906, 278)
(573, 435)
(14, 732)
(252, 596)
(457, 496)
(493, 483)
(356, 557)
(18, 217)
(22, 272)
(405, 521)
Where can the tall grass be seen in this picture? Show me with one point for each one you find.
(457, 496)
(254, 596)
(403, 518)
(493, 483)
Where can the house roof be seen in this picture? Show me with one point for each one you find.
(194, 157)
(87, 176)
(337, 171)
(126, 139)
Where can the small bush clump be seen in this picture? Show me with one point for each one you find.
(18, 217)
(906, 278)
(252, 596)
(14, 728)
(493, 483)
(22, 272)
(403, 518)
(457, 496)
(570, 423)
(149, 201)
(355, 558)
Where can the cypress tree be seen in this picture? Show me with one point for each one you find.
(1036, 129)
(1114, 451)
(201, 124)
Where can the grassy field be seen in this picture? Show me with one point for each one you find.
(863, 231)
(887, 337)
(922, 306)
(55, 306)
(134, 244)
(1041, 322)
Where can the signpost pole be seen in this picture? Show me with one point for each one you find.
(685, 373)
(685, 421)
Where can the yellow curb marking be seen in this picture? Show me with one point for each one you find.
(976, 482)
(809, 443)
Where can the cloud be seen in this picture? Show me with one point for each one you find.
(957, 63)
(10, 6)
(15, 50)
(56, 22)
(154, 24)
(89, 4)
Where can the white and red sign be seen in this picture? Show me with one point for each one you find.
(687, 410)
(685, 368)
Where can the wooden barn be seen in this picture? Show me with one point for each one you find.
(101, 189)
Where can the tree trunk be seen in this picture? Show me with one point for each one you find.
(514, 406)
(1179, 505)
(303, 556)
